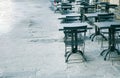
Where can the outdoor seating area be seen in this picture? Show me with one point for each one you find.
(97, 18)
(60, 39)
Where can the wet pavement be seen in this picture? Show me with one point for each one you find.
(32, 46)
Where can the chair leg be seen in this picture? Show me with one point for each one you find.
(103, 52)
(109, 52)
(102, 43)
(106, 55)
(66, 53)
(117, 51)
(82, 54)
(67, 57)
(93, 37)
(103, 36)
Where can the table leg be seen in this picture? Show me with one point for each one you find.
(97, 32)
(111, 45)
(74, 48)
(103, 52)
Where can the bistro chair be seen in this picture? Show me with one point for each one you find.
(116, 31)
(74, 41)
(113, 6)
(89, 9)
(117, 40)
(71, 19)
(57, 1)
(103, 6)
(105, 18)
(113, 38)
(65, 7)
(84, 3)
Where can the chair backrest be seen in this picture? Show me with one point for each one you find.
(84, 3)
(115, 28)
(71, 19)
(89, 9)
(78, 29)
(106, 17)
(57, 1)
(70, 1)
(105, 5)
(66, 5)
(113, 6)
(73, 33)
(73, 16)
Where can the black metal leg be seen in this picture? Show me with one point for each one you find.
(74, 47)
(92, 35)
(103, 36)
(66, 53)
(66, 60)
(82, 54)
(107, 54)
(108, 51)
(117, 51)
(103, 52)
(84, 58)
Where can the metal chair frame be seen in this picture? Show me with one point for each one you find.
(112, 41)
(73, 40)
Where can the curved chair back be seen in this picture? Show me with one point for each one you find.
(106, 17)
